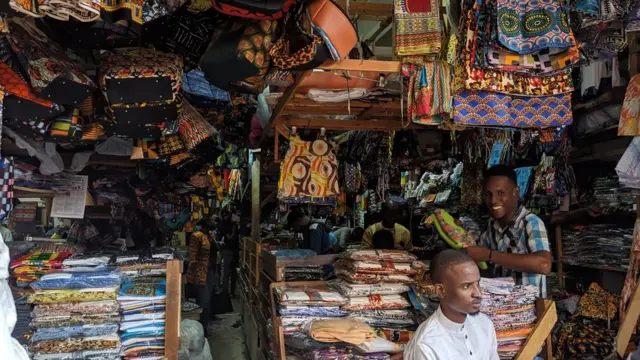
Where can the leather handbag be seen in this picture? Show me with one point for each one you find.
(298, 49)
(334, 26)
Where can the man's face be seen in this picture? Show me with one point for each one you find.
(389, 218)
(501, 197)
(460, 288)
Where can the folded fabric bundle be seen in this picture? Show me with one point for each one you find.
(514, 319)
(87, 260)
(105, 354)
(298, 323)
(293, 296)
(64, 309)
(344, 354)
(360, 278)
(59, 333)
(401, 336)
(597, 303)
(143, 289)
(346, 330)
(301, 341)
(72, 345)
(143, 316)
(78, 280)
(501, 294)
(303, 310)
(380, 267)
(380, 345)
(514, 333)
(75, 320)
(303, 273)
(142, 324)
(134, 306)
(41, 258)
(393, 319)
(348, 289)
(376, 302)
(60, 296)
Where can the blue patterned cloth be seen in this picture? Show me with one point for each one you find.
(526, 234)
(78, 280)
(194, 82)
(60, 333)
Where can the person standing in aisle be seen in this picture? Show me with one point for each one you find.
(457, 330)
(229, 249)
(401, 235)
(198, 286)
(515, 242)
(315, 234)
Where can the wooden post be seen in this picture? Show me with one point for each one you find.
(255, 196)
(547, 318)
(173, 309)
(559, 265)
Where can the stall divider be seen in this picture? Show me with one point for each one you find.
(173, 309)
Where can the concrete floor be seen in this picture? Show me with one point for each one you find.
(227, 341)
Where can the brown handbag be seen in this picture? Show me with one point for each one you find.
(334, 26)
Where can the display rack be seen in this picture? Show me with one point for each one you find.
(173, 309)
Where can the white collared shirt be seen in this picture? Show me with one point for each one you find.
(439, 338)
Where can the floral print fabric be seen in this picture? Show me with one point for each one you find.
(630, 115)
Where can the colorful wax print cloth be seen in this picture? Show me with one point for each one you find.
(6, 185)
(376, 302)
(64, 10)
(304, 310)
(395, 335)
(630, 115)
(597, 304)
(58, 296)
(393, 319)
(418, 27)
(78, 280)
(380, 267)
(66, 309)
(319, 297)
(137, 12)
(354, 277)
(527, 26)
(352, 290)
(483, 108)
(309, 172)
(396, 256)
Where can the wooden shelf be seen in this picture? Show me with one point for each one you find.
(25, 192)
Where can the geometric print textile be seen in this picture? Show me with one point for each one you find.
(495, 109)
(6, 186)
(309, 172)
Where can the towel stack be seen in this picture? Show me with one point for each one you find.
(142, 303)
(376, 283)
(512, 310)
(75, 313)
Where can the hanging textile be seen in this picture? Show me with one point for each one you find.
(137, 12)
(487, 108)
(527, 26)
(309, 173)
(630, 114)
(6, 186)
(418, 27)
(81, 10)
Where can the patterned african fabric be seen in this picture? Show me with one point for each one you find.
(630, 115)
(82, 10)
(67, 126)
(527, 26)
(137, 12)
(495, 109)
(471, 76)
(145, 150)
(418, 27)
(6, 186)
(193, 128)
(308, 173)
(199, 246)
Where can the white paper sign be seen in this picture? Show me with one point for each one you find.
(69, 201)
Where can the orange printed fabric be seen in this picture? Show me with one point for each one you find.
(514, 333)
(14, 85)
(520, 309)
(308, 173)
(376, 302)
(628, 125)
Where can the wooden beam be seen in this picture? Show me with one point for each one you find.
(277, 111)
(255, 196)
(367, 10)
(559, 265)
(362, 65)
(174, 309)
(346, 125)
(305, 102)
(541, 331)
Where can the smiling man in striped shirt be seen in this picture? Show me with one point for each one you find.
(515, 241)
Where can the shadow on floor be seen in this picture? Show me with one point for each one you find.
(225, 340)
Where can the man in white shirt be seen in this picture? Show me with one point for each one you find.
(457, 330)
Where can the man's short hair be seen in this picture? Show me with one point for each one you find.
(501, 170)
(383, 240)
(444, 260)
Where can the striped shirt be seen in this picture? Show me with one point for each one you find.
(525, 234)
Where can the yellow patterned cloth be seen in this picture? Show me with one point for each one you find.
(309, 172)
(418, 27)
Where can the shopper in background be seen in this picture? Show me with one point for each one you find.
(401, 235)
(229, 249)
(515, 242)
(315, 235)
(198, 282)
(347, 235)
(457, 330)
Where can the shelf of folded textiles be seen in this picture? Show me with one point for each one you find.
(580, 213)
(595, 267)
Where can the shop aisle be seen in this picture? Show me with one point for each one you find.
(226, 336)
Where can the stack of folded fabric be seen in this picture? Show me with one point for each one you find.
(512, 310)
(610, 195)
(87, 261)
(376, 283)
(298, 306)
(144, 263)
(597, 244)
(142, 303)
(32, 266)
(75, 312)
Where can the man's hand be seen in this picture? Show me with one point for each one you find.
(397, 356)
(478, 253)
